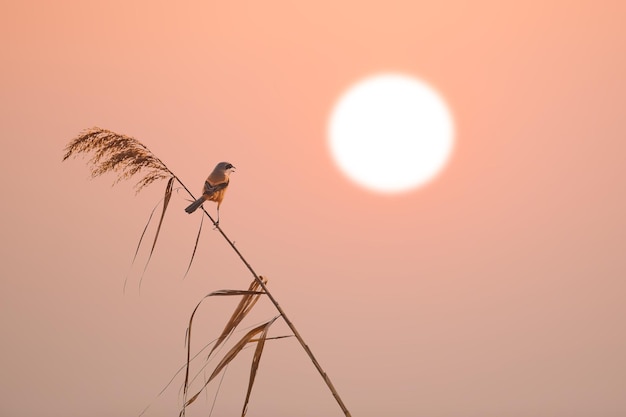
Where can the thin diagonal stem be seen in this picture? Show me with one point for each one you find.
(278, 307)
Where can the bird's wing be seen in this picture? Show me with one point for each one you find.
(210, 189)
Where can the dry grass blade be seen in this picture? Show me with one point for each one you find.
(232, 354)
(122, 154)
(193, 254)
(143, 233)
(242, 310)
(182, 367)
(166, 201)
(256, 359)
(251, 295)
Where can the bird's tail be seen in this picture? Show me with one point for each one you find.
(194, 206)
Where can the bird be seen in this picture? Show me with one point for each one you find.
(214, 188)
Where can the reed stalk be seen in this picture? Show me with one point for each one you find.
(127, 156)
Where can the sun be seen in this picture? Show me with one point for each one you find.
(391, 133)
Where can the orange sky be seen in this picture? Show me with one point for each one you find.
(497, 290)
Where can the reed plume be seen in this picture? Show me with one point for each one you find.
(121, 154)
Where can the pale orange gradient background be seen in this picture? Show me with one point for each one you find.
(497, 290)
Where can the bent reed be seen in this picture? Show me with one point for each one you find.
(127, 157)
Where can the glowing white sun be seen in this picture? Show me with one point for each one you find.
(391, 133)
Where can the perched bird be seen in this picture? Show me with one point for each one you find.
(214, 188)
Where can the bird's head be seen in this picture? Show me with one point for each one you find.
(225, 167)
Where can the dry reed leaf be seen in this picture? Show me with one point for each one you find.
(250, 297)
(118, 153)
(193, 254)
(256, 359)
(232, 354)
(166, 201)
(143, 233)
(241, 311)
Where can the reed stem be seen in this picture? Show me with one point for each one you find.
(127, 156)
(295, 331)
